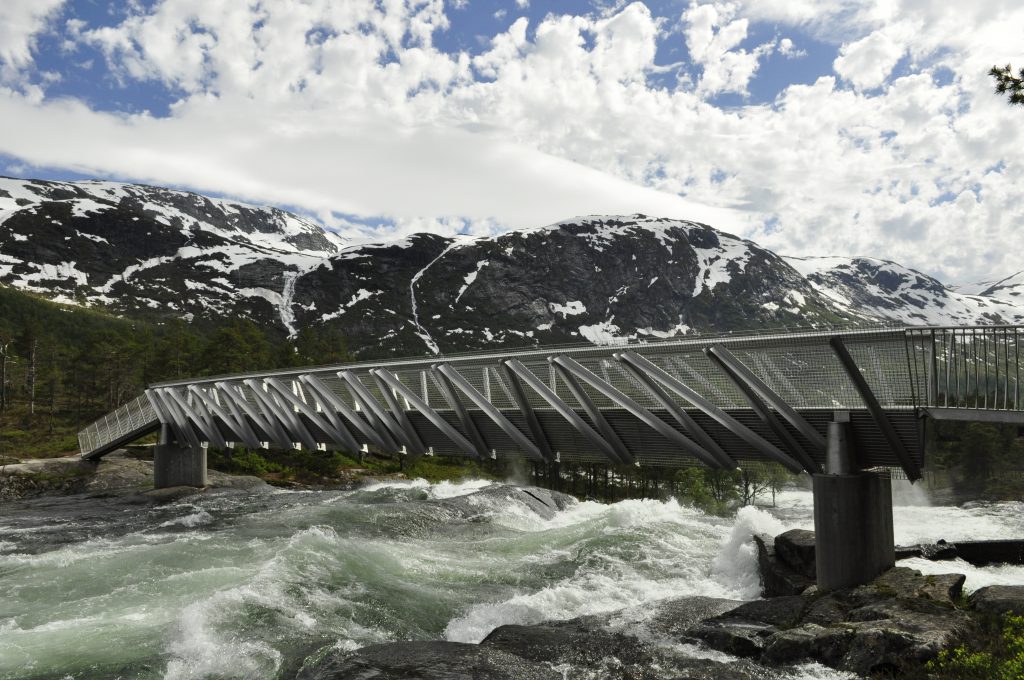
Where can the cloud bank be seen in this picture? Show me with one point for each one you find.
(894, 146)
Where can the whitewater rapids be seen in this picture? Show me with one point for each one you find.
(250, 585)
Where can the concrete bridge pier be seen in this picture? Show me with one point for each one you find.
(853, 530)
(177, 465)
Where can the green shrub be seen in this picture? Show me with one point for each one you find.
(1000, 658)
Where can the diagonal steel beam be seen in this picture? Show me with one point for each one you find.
(494, 414)
(910, 467)
(724, 356)
(444, 385)
(415, 444)
(596, 417)
(270, 426)
(724, 419)
(705, 440)
(282, 413)
(638, 411)
(332, 427)
(233, 420)
(433, 416)
(378, 417)
(169, 413)
(765, 414)
(198, 415)
(335, 404)
(563, 409)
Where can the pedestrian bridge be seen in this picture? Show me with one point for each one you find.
(713, 400)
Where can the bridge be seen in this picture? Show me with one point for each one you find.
(830, 403)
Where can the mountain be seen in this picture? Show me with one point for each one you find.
(146, 251)
(873, 289)
(141, 250)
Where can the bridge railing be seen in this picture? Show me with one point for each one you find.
(976, 368)
(124, 421)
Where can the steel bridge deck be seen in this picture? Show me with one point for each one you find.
(716, 400)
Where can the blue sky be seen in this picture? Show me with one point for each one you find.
(851, 127)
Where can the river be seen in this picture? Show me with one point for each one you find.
(235, 585)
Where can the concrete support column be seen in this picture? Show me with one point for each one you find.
(177, 465)
(853, 532)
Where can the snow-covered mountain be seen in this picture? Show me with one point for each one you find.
(140, 249)
(146, 251)
(871, 289)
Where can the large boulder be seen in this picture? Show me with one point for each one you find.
(997, 600)
(777, 577)
(426, 661)
(898, 622)
(796, 549)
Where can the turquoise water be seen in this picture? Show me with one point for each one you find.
(252, 585)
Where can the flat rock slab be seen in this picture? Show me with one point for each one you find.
(427, 661)
(998, 600)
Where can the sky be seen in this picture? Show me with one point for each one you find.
(813, 127)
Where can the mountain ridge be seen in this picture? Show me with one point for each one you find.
(147, 251)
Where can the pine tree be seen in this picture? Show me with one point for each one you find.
(1009, 84)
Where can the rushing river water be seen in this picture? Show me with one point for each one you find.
(251, 585)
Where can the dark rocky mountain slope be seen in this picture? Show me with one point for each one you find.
(142, 250)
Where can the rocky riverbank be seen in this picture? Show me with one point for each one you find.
(893, 626)
(116, 474)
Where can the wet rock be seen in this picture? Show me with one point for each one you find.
(810, 641)
(777, 578)
(733, 636)
(981, 553)
(796, 550)
(997, 600)
(777, 611)
(426, 661)
(940, 550)
(898, 622)
(909, 583)
(674, 617)
(825, 611)
(578, 642)
(544, 503)
(166, 495)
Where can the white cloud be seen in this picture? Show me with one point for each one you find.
(868, 62)
(348, 107)
(20, 21)
(712, 37)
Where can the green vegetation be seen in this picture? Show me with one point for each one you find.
(997, 654)
(1009, 84)
(62, 366)
(984, 460)
(720, 492)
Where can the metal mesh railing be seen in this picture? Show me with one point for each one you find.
(137, 414)
(969, 368)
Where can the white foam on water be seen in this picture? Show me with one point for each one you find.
(736, 564)
(453, 489)
(815, 671)
(904, 493)
(436, 490)
(626, 554)
(193, 520)
(977, 577)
